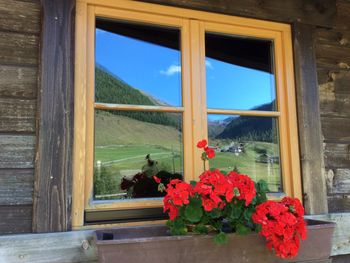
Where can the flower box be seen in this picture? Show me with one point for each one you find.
(153, 244)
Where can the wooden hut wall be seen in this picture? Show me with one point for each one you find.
(20, 37)
(19, 50)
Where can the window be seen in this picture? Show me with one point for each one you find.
(151, 81)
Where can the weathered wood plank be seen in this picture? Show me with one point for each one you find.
(338, 181)
(333, 56)
(321, 13)
(337, 155)
(15, 219)
(18, 82)
(339, 203)
(18, 49)
(336, 128)
(341, 234)
(19, 16)
(16, 186)
(314, 184)
(17, 115)
(342, 19)
(53, 177)
(53, 247)
(332, 101)
(17, 151)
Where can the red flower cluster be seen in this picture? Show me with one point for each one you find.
(216, 189)
(282, 224)
(178, 193)
(209, 152)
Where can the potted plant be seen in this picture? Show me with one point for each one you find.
(220, 218)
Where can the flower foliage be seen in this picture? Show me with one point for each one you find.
(233, 203)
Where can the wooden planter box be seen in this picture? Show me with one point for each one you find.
(153, 244)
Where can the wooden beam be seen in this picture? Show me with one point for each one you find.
(53, 174)
(313, 12)
(310, 137)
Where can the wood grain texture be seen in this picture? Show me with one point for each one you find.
(314, 184)
(17, 151)
(339, 203)
(16, 186)
(53, 174)
(17, 115)
(337, 155)
(19, 49)
(333, 100)
(19, 16)
(336, 128)
(338, 181)
(18, 82)
(53, 248)
(15, 219)
(317, 12)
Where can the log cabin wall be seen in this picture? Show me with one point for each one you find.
(19, 51)
(333, 68)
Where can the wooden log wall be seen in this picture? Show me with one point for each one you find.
(333, 66)
(19, 49)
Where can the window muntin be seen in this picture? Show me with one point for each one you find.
(193, 25)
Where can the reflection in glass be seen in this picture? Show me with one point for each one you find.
(137, 64)
(239, 73)
(131, 147)
(248, 145)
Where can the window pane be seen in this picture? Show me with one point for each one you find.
(137, 64)
(248, 145)
(239, 73)
(131, 147)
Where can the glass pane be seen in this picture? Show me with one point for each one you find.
(137, 64)
(248, 145)
(131, 147)
(239, 73)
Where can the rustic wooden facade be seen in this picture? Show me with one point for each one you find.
(36, 115)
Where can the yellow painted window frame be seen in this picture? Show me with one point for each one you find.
(193, 25)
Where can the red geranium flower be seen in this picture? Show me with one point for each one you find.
(282, 225)
(210, 152)
(201, 144)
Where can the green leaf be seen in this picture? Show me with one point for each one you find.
(177, 227)
(201, 229)
(242, 229)
(235, 211)
(194, 211)
(248, 213)
(193, 183)
(221, 238)
(215, 213)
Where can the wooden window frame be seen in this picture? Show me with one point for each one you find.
(193, 24)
